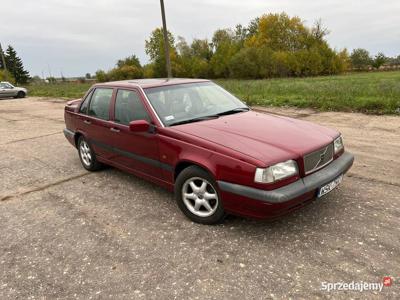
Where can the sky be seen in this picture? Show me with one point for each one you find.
(76, 37)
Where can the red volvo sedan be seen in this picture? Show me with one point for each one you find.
(194, 138)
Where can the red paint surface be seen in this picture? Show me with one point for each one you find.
(230, 147)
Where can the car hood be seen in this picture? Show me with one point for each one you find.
(268, 138)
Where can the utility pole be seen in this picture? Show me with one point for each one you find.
(166, 42)
(3, 58)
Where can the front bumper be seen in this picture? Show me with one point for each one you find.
(294, 193)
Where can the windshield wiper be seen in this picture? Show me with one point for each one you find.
(195, 120)
(216, 116)
(234, 111)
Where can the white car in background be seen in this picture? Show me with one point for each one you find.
(8, 90)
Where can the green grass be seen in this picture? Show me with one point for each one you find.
(377, 92)
(59, 90)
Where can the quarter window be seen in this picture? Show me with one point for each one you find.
(100, 104)
(84, 107)
(129, 107)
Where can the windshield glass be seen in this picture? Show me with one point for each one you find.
(185, 102)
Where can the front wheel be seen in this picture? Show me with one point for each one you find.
(197, 196)
(21, 94)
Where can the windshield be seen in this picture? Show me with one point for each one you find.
(185, 102)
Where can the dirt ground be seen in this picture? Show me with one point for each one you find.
(67, 233)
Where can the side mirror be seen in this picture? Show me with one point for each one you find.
(139, 126)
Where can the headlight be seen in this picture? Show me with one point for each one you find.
(338, 144)
(276, 172)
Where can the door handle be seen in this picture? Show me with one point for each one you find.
(114, 129)
(87, 122)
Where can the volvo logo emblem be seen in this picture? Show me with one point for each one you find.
(321, 160)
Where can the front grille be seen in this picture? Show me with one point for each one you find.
(317, 159)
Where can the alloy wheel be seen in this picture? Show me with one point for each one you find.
(200, 197)
(85, 153)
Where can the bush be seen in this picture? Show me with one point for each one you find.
(148, 71)
(125, 72)
(127, 68)
(245, 64)
(266, 64)
(280, 64)
(310, 62)
(102, 76)
(200, 68)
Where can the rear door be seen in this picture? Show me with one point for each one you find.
(135, 150)
(94, 120)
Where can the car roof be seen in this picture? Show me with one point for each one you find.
(153, 82)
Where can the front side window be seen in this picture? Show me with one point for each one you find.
(100, 103)
(175, 104)
(129, 107)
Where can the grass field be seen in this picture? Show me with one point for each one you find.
(377, 92)
(59, 90)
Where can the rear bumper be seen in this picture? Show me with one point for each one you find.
(262, 202)
(70, 135)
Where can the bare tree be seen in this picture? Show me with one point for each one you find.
(319, 31)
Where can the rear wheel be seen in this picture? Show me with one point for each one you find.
(87, 156)
(197, 196)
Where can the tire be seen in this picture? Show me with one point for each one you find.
(87, 156)
(21, 94)
(197, 196)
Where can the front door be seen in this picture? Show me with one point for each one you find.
(136, 150)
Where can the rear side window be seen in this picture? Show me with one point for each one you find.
(129, 107)
(84, 107)
(5, 85)
(100, 103)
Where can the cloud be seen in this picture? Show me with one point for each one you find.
(76, 37)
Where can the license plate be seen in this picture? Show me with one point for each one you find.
(325, 189)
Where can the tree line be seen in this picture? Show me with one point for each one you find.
(361, 60)
(273, 45)
(11, 67)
